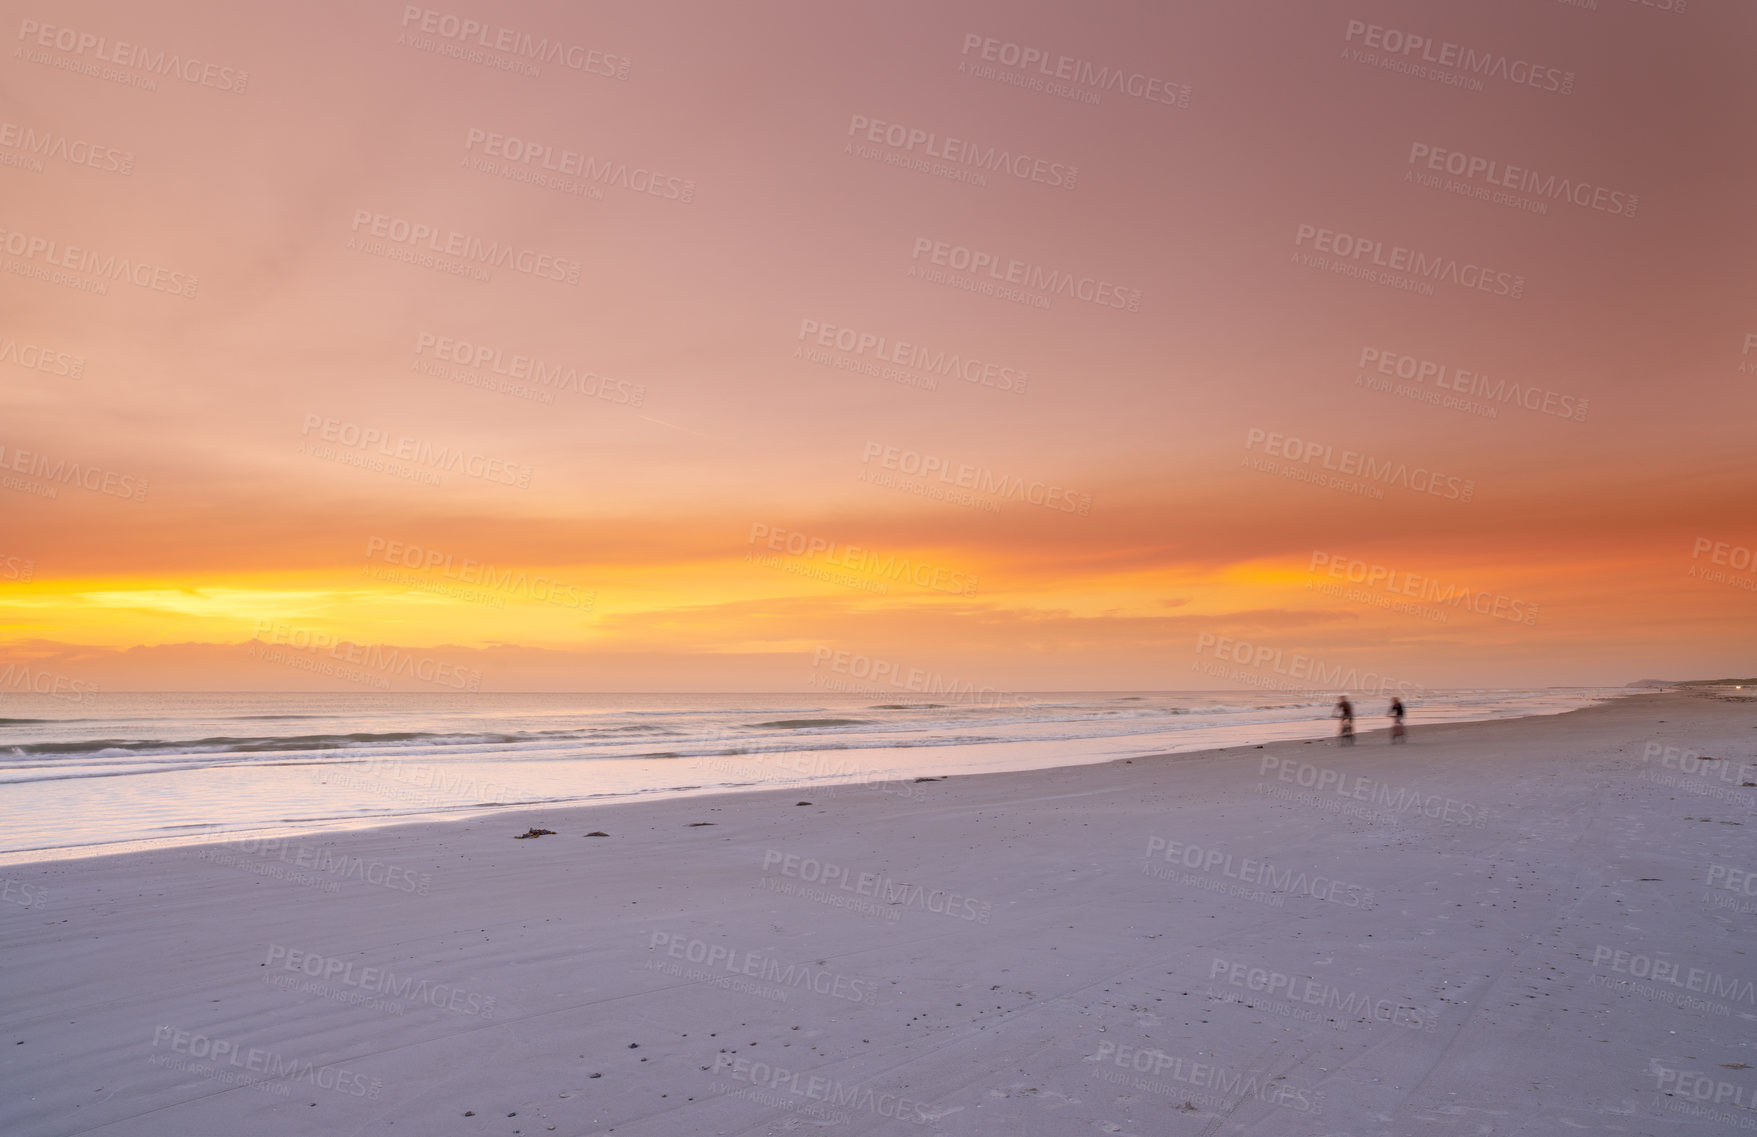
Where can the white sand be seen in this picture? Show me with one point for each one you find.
(1038, 982)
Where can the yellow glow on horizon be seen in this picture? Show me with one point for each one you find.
(543, 606)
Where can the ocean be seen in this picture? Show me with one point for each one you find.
(109, 772)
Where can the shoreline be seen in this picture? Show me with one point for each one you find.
(816, 768)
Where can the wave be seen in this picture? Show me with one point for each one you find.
(257, 744)
(54, 747)
(680, 739)
(226, 744)
(801, 724)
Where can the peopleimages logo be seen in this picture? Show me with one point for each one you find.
(141, 274)
(218, 1051)
(35, 357)
(1474, 384)
(1076, 72)
(1249, 870)
(1394, 799)
(887, 566)
(547, 165)
(529, 369)
(1423, 588)
(515, 582)
(1669, 972)
(19, 677)
(889, 349)
(379, 981)
(882, 676)
(1235, 1085)
(1025, 274)
(1722, 553)
(52, 144)
(959, 151)
(1732, 879)
(24, 895)
(322, 860)
(433, 240)
(1704, 1088)
(120, 53)
(1736, 557)
(894, 893)
(388, 662)
(521, 46)
(978, 478)
(1521, 179)
(1296, 665)
(816, 1087)
(96, 479)
(426, 457)
(1346, 247)
(1311, 992)
(1400, 46)
(1353, 463)
(763, 966)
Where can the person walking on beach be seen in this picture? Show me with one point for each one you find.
(1345, 712)
(1396, 715)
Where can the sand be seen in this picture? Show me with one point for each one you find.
(1530, 926)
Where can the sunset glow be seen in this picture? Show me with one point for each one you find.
(587, 340)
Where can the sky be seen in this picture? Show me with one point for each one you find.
(545, 346)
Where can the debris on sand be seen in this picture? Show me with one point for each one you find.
(534, 833)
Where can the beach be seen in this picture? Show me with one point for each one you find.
(1533, 925)
(648, 570)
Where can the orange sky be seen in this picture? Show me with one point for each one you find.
(287, 294)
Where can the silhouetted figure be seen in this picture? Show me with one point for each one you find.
(1398, 734)
(1345, 712)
